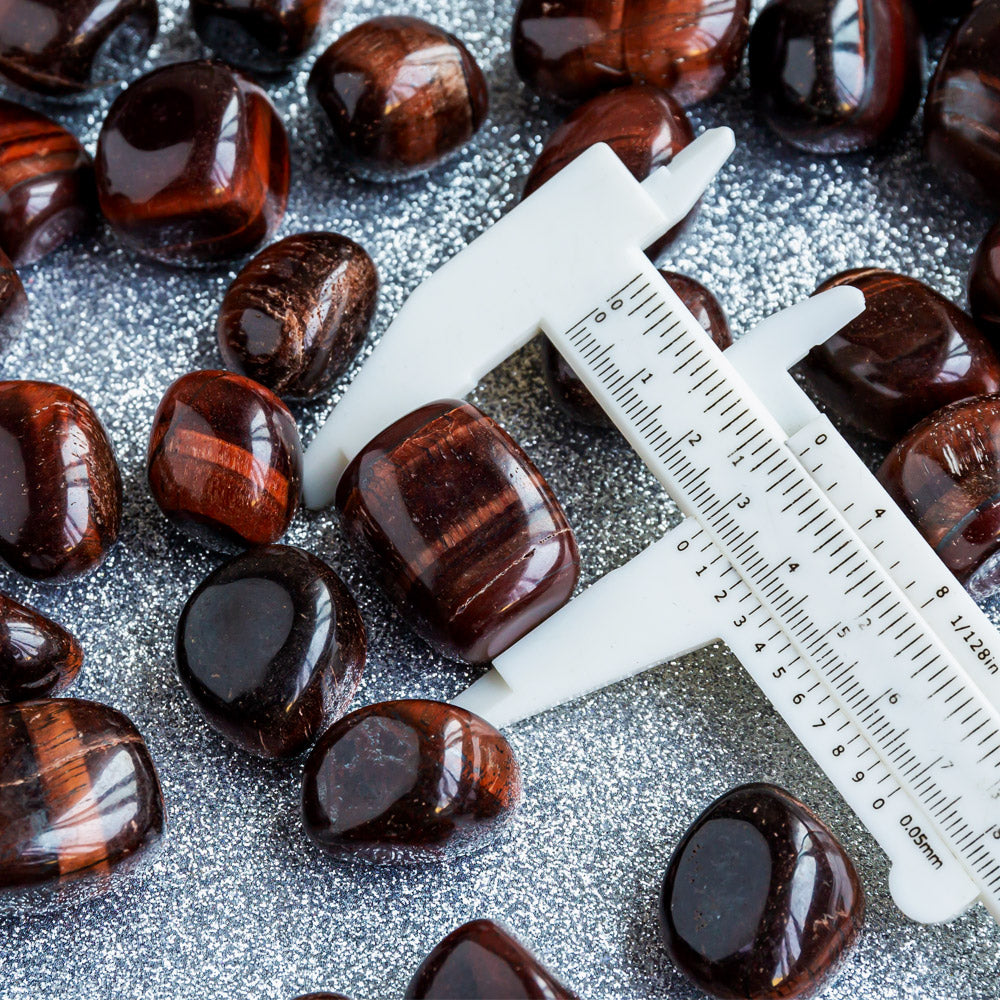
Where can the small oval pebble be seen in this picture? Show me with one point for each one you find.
(38, 658)
(482, 961)
(759, 899)
(271, 647)
(297, 314)
(910, 352)
(60, 489)
(359, 80)
(984, 286)
(409, 781)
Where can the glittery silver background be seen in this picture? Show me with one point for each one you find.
(239, 905)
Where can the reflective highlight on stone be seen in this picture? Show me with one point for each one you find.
(460, 529)
(759, 899)
(271, 647)
(410, 782)
(38, 658)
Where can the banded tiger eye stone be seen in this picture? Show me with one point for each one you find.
(575, 399)
(64, 48)
(38, 658)
(760, 900)
(945, 476)
(225, 460)
(80, 801)
(359, 80)
(910, 352)
(984, 286)
(962, 113)
(13, 301)
(646, 127)
(60, 489)
(479, 961)
(832, 77)
(267, 36)
(570, 50)
(297, 314)
(410, 782)
(271, 647)
(460, 529)
(46, 185)
(193, 165)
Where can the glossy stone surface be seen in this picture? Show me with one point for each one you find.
(271, 647)
(910, 352)
(645, 126)
(60, 489)
(193, 165)
(38, 658)
(46, 185)
(401, 95)
(460, 529)
(575, 399)
(63, 48)
(962, 113)
(759, 899)
(832, 77)
(570, 50)
(984, 286)
(479, 961)
(945, 476)
(267, 36)
(225, 460)
(79, 796)
(13, 301)
(410, 782)
(297, 314)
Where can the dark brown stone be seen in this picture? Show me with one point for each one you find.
(409, 782)
(297, 314)
(984, 286)
(225, 460)
(910, 352)
(13, 302)
(759, 899)
(358, 81)
(575, 399)
(271, 647)
(38, 658)
(80, 801)
(570, 50)
(193, 165)
(64, 48)
(60, 489)
(460, 529)
(482, 961)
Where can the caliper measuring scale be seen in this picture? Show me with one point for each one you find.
(791, 552)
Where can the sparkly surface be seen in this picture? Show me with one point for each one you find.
(238, 904)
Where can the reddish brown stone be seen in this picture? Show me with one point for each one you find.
(60, 489)
(984, 286)
(38, 658)
(224, 460)
(13, 301)
(409, 781)
(460, 529)
(193, 165)
(358, 81)
(570, 50)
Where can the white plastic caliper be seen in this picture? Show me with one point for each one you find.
(791, 552)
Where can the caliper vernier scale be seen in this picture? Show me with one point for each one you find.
(791, 552)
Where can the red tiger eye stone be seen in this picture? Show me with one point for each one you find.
(945, 476)
(400, 94)
(63, 48)
(38, 658)
(409, 781)
(13, 301)
(193, 165)
(569, 50)
(80, 801)
(460, 529)
(481, 961)
(46, 185)
(60, 489)
(984, 285)
(224, 460)
(908, 353)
